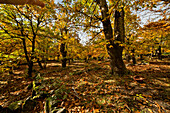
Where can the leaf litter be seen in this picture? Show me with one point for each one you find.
(90, 88)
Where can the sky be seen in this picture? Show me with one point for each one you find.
(145, 17)
(83, 36)
(57, 1)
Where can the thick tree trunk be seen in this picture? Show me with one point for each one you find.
(30, 67)
(114, 49)
(116, 62)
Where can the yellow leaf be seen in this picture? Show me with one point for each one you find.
(96, 110)
(110, 46)
(121, 45)
(117, 42)
(150, 110)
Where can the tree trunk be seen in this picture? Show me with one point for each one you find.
(133, 57)
(25, 50)
(29, 62)
(62, 48)
(39, 63)
(114, 49)
(64, 54)
(44, 62)
(128, 56)
(159, 53)
(32, 57)
(30, 67)
(141, 57)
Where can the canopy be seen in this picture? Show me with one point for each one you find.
(22, 2)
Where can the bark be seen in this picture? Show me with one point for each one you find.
(62, 49)
(128, 56)
(29, 62)
(30, 67)
(25, 50)
(44, 58)
(114, 49)
(45, 63)
(64, 54)
(133, 57)
(141, 57)
(159, 53)
(39, 63)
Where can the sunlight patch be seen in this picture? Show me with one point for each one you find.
(109, 81)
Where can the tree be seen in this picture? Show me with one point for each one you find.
(67, 30)
(63, 51)
(157, 29)
(26, 24)
(155, 34)
(98, 11)
(108, 17)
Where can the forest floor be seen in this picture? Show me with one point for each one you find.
(90, 88)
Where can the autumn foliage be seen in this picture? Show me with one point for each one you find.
(84, 56)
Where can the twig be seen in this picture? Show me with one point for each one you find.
(76, 94)
(128, 108)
